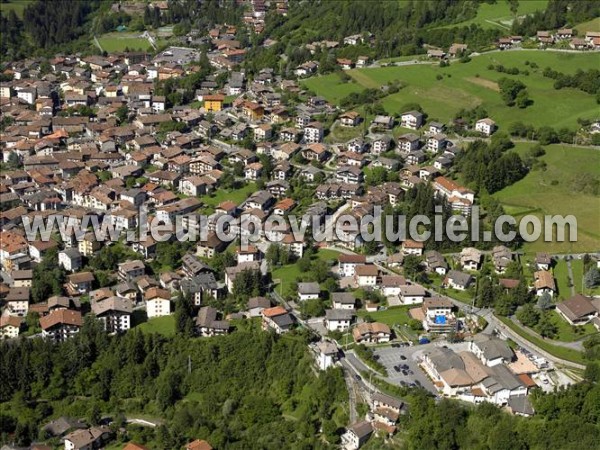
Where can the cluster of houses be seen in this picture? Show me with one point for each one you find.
(591, 40)
(578, 309)
(487, 370)
(383, 416)
(103, 168)
(77, 435)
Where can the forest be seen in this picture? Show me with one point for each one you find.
(491, 166)
(249, 389)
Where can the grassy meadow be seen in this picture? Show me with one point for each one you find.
(592, 25)
(237, 196)
(331, 87)
(164, 325)
(549, 192)
(392, 316)
(499, 15)
(14, 5)
(472, 84)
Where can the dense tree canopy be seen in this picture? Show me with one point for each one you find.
(238, 387)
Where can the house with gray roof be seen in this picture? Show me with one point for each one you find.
(520, 406)
(308, 291)
(343, 300)
(502, 384)
(356, 435)
(490, 350)
(339, 319)
(458, 280)
(207, 323)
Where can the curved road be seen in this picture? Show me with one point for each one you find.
(530, 346)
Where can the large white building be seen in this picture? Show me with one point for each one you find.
(114, 313)
(158, 302)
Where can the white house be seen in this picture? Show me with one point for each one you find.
(356, 435)
(412, 294)
(490, 350)
(411, 119)
(70, 259)
(313, 133)
(308, 291)
(339, 319)
(366, 275)
(247, 253)
(347, 264)
(457, 280)
(343, 300)
(470, 258)
(390, 285)
(544, 283)
(485, 126)
(10, 327)
(410, 247)
(327, 354)
(158, 302)
(114, 313)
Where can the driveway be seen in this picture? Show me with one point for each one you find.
(391, 357)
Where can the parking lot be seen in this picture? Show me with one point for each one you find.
(406, 359)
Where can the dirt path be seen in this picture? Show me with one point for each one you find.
(571, 279)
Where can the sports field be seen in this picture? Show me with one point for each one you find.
(444, 91)
(550, 191)
(118, 42)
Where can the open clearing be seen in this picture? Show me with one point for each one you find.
(498, 14)
(285, 276)
(118, 42)
(392, 316)
(14, 5)
(550, 192)
(485, 83)
(443, 91)
(164, 325)
(332, 84)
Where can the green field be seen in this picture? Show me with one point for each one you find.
(331, 87)
(472, 84)
(566, 332)
(284, 276)
(394, 315)
(344, 134)
(577, 268)
(117, 42)
(221, 195)
(549, 192)
(164, 325)
(14, 5)
(498, 14)
(592, 25)
(561, 275)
